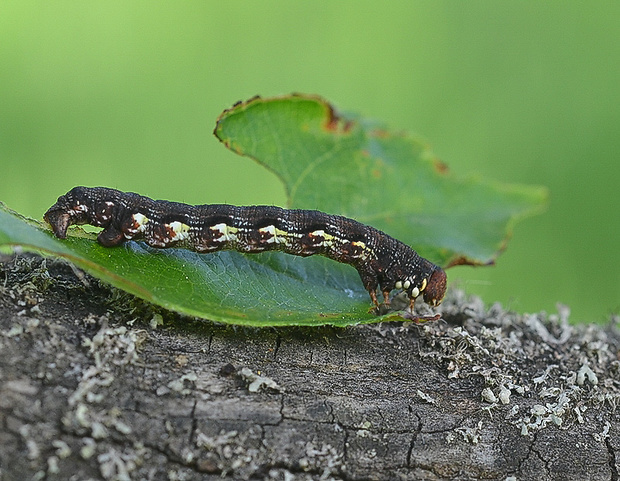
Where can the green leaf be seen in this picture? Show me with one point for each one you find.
(392, 181)
(269, 289)
(342, 165)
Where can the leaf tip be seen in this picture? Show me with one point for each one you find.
(468, 261)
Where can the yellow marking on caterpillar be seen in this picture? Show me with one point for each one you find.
(280, 236)
(366, 251)
(228, 233)
(327, 238)
(270, 229)
(284, 237)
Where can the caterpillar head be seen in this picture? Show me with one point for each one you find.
(78, 207)
(433, 288)
(436, 287)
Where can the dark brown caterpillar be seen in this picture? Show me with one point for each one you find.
(381, 260)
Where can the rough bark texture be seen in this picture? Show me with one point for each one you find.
(91, 387)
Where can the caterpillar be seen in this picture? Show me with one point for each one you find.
(381, 261)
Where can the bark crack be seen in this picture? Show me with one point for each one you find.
(194, 427)
(277, 347)
(612, 460)
(416, 433)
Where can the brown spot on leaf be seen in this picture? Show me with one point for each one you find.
(334, 123)
(380, 133)
(440, 166)
(466, 261)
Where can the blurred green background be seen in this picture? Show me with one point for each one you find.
(126, 94)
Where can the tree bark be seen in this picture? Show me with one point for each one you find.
(92, 386)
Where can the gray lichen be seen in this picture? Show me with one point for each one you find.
(94, 388)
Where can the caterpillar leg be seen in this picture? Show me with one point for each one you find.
(386, 298)
(411, 303)
(411, 316)
(373, 297)
(110, 237)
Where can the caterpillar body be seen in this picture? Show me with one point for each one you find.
(382, 261)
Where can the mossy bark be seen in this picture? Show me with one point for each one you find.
(92, 386)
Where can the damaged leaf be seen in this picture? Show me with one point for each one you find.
(338, 164)
(345, 165)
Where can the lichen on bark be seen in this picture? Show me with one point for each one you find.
(92, 386)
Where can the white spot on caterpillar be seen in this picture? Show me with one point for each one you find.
(181, 231)
(205, 248)
(415, 292)
(221, 228)
(102, 213)
(141, 220)
(270, 229)
(406, 284)
(138, 225)
(79, 208)
(398, 285)
(229, 234)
